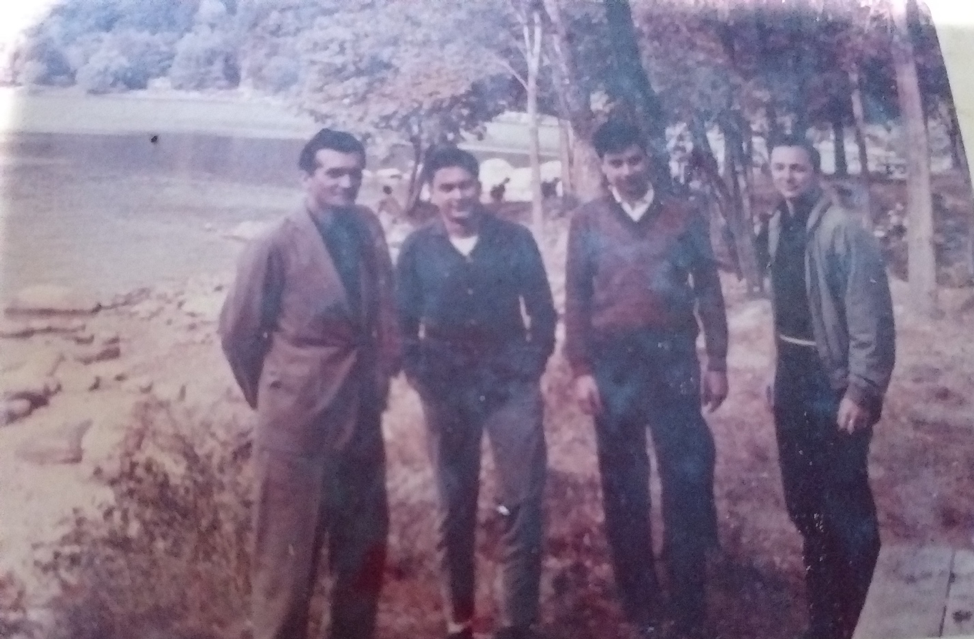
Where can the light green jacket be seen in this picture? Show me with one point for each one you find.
(849, 300)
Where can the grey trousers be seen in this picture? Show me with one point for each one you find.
(456, 419)
(301, 502)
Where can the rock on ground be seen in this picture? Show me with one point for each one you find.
(60, 447)
(100, 353)
(246, 231)
(25, 385)
(12, 410)
(50, 299)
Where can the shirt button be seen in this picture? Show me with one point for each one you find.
(469, 291)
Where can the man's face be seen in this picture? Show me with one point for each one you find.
(627, 171)
(792, 172)
(336, 180)
(456, 193)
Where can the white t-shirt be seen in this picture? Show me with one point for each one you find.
(465, 244)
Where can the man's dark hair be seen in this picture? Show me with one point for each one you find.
(615, 136)
(328, 139)
(446, 157)
(801, 142)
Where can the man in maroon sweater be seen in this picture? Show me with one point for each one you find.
(640, 272)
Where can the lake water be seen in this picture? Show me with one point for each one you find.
(108, 213)
(115, 192)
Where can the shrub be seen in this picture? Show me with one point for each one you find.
(168, 553)
(13, 612)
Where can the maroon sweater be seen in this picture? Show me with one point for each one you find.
(655, 274)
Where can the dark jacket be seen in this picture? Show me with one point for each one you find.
(461, 315)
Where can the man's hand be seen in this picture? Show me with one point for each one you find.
(713, 391)
(587, 394)
(852, 416)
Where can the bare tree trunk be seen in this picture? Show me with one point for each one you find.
(565, 156)
(774, 126)
(707, 170)
(740, 212)
(698, 131)
(838, 137)
(532, 30)
(412, 196)
(922, 268)
(958, 155)
(859, 129)
(637, 89)
(586, 170)
(574, 102)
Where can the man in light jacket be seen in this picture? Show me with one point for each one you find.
(308, 328)
(834, 334)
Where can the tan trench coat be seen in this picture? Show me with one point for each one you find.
(294, 348)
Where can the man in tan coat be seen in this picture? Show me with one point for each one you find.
(308, 328)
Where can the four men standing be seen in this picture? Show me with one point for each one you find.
(310, 331)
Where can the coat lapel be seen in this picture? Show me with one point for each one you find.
(824, 202)
(320, 260)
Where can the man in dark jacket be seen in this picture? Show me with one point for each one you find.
(835, 340)
(462, 280)
(640, 270)
(309, 330)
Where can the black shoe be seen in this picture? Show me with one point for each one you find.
(466, 633)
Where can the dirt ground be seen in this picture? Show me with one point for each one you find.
(921, 466)
(922, 460)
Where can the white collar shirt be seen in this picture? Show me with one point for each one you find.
(637, 209)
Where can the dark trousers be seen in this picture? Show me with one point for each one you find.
(302, 501)
(825, 476)
(653, 380)
(457, 414)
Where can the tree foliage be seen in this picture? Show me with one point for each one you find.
(119, 45)
(421, 73)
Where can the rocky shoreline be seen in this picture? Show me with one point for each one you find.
(72, 370)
